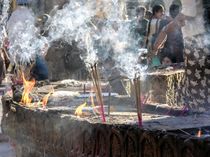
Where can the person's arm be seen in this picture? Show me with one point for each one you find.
(160, 40)
(163, 34)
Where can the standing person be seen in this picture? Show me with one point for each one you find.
(174, 44)
(174, 10)
(148, 15)
(153, 31)
(140, 26)
(171, 36)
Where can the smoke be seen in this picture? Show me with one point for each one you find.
(71, 22)
(100, 30)
(5, 9)
(4, 17)
(24, 38)
(195, 24)
(74, 23)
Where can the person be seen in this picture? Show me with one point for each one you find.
(166, 60)
(176, 47)
(153, 31)
(140, 26)
(157, 2)
(39, 69)
(174, 43)
(148, 15)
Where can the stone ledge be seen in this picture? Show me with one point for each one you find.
(39, 133)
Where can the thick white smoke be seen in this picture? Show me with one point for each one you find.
(97, 26)
(195, 24)
(4, 17)
(24, 39)
(100, 30)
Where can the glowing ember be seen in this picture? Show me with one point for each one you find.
(78, 111)
(199, 133)
(28, 87)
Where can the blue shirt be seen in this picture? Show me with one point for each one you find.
(40, 69)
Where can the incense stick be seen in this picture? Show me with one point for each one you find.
(138, 99)
(100, 93)
(97, 84)
(109, 104)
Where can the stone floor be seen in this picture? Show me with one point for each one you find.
(6, 150)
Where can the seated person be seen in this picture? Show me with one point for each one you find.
(166, 60)
(39, 70)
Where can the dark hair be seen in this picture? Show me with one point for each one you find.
(157, 8)
(148, 12)
(140, 9)
(168, 55)
(174, 10)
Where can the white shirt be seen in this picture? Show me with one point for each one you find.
(153, 26)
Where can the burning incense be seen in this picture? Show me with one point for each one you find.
(109, 105)
(138, 99)
(98, 91)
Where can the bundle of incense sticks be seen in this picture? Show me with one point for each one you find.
(137, 88)
(97, 86)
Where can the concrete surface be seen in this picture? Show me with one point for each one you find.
(6, 150)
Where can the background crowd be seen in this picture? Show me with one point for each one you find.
(160, 34)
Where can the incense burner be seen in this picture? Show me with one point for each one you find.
(57, 132)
